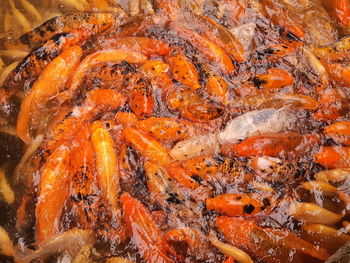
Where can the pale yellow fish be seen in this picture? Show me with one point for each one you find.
(118, 260)
(320, 186)
(83, 255)
(313, 214)
(70, 241)
(230, 250)
(325, 231)
(146, 7)
(264, 187)
(336, 175)
(6, 246)
(134, 7)
(20, 17)
(2, 65)
(106, 163)
(31, 10)
(8, 23)
(20, 168)
(13, 54)
(11, 130)
(5, 188)
(78, 5)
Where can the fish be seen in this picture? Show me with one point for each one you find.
(247, 125)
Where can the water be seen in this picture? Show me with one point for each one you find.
(269, 37)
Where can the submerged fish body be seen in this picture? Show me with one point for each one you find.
(70, 241)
